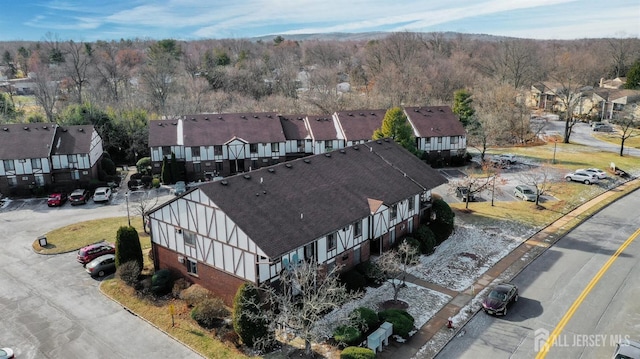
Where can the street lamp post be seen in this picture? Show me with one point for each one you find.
(126, 196)
(555, 144)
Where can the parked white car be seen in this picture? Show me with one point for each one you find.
(102, 194)
(525, 192)
(582, 176)
(596, 171)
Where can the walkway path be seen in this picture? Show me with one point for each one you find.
(508, 266)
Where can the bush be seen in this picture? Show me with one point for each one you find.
(128, 246)
(401, 320)
(146, 181)
(161, 282)
(427, 239)
(346, 334)
(136, 176)
(357, 353)
(371, 272)
(366, 319)
(129, 272)
(178, 286)
(442, 227)
(195, 294)
(353, 281)
(247, 319)
(210, 312)
(155, 183)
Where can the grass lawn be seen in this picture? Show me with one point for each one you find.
(632, 142)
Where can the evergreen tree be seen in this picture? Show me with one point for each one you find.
(247, 319)
(128, 246)
(166, 171)
(396, 126)
(462, 106)
(633, 77)
(174, 168)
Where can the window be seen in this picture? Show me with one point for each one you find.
(455, 140)
(275, 147)
(411, 204)
(357, 229)
(189, 238)
(195, 151)
(253, 148)
(328, 146)
(12, 181)
(217, 150)
(39, 180)
(300, 145)
(331, 241)
(9, 165)
(197, 168)
(72, 159)
(192, 266)
(166, 151)
(394, 211)
(75, 175)
(427, 140)
(36, 163)
(439, 139)
(218, 168)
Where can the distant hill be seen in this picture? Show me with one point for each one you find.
(344, 36)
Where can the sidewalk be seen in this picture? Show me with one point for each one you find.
(509, 266)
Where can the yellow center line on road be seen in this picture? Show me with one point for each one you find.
(544, 349)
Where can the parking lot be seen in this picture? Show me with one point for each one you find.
(50, 307)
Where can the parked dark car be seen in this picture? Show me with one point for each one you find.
(56, 199)
(500, 298)
(464, 195)
(101, 266)
(92, 251)
(79, 196)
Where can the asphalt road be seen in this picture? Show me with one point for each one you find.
(582, 133)
(551, 284)
(51, 308)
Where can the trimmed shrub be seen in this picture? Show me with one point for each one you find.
(442, 227)
(107, 165)
(366, 319)
(178, 286)
(347, 334)
(146, 181)
(155, 183)
(129, 272)
(353, 280)
(371, 272)
(195, 294)
(357, 353)
(427, 239)
(210, 312)
(136, 176)
(128, 246)
(161, 282)
(143, 164)
(247, 319)
(401, 320)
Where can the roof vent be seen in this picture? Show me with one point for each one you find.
(206, 118)
(5, 129)
(350, 114)
(25, 128)
(81, 129)
(386, 140)
(247, 176)
(64, 130)
(361, 114)
(219, 117)
(327, 154)
(288, 165)
(224, 182)
(428, 110)
(373, 114)
(269, 116)
(306, 160)
(299, 118)
(319, 119)
(193, 118)
(243, 116)
(255, 116)
(441, 110)
(45, 127)
(416, 110)
(326, 119)
(271, 170)
(175, 123)
(379, 142)
(342, 151)
(160, 124)
(356, 147)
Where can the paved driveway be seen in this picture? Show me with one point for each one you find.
(51, 308)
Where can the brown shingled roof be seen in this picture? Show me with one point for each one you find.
(435, 121)
(288, 205)
(217, 129)
(72, 140)
(323, 127)
(294, 127)
(22, 141)
(360, 124)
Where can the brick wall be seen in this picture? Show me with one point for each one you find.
(222, 284)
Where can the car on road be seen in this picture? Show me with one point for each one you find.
(56, 199)
(88, 253)
(526, 193)
(508, 157)
(582, 176)
(464, 194)
(603, 128)
(598, 172)
(79, 196)
(499, 298)
(6, 353)
(102, 194)
(101, 266)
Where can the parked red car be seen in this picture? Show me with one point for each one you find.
(93, 251)
(56, 199)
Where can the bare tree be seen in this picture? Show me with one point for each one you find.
(47, 85)
(478, 182)
(628, 122)
(78, 62)
(394, 264)
(143, 204)
(540, 178)
(307, 292)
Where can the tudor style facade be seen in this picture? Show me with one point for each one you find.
(47, 156)
(336, 208)
(212, 145)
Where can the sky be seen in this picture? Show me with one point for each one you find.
(91, 20)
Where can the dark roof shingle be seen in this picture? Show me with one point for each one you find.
(22, 141)
(435, 121)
